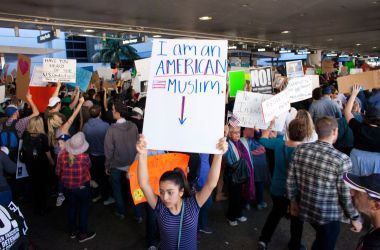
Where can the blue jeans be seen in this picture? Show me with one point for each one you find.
(203, 214)
(326, 235)
(116, 182)
(5, 198)
(78, 201)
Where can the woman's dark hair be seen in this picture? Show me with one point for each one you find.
(177, 176)
(317, 93)
(297, 130)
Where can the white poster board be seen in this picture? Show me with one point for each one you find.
(56, 69)
(294, 69)
(261, 80)
(276, 106)
(301, 88)
(186, 93)
(248, 109)
(105, 73)
(2, 93)
(143, 68)
(37, 79)
(126, 75)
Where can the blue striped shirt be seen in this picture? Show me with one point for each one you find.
(168, 224)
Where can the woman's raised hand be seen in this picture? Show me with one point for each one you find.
(141, 145)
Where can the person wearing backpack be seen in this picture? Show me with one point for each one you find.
(13, 128)
(35, 153)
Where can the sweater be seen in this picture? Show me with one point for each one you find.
(120, 145)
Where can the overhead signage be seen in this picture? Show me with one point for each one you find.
(46, 37)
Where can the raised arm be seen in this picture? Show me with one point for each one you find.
(142, 172)
(347, 110)
(56, 92)
(105, 99)
(65, 127)
(32, 105)
(213, 175)
(76, 98)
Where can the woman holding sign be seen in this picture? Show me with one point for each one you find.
(176, 208)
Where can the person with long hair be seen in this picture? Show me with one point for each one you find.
(176, 204)
(73, 169)
(305, 117)
(38, 160)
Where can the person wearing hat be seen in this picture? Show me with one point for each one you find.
(324, 106)
(136, 117)
(14, 123)
(73, 169)
(365, 192)
(366, 153)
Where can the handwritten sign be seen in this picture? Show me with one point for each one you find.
(186, 94)
(23, 76)
(105, 73)
(294, 69)
(261, 80)
(143, 68)
(55, 69)
(300, 88)
(368, 80)
(157, 165)
(248, 109)
(83, 78)
(36, 79)
(237, 81)
(276, 105)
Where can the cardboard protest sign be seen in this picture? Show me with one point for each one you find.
(294, 69)
(105, 73)
(143, 68)
(23, 75)
(36, 79)
(261, 80)
(328, 66)
(2, 93)
(56, 69)
(300, 88)
(82, 80)
(248, 109)
(237, 81)
(41, 96)
(157, 165)
(276, 106)
(186, 94)
(368, 80)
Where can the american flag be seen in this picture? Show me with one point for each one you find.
(232, 119)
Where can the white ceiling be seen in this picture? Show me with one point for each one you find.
(326, 24)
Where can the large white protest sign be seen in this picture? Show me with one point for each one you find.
(186, 94)
(105, 73)
(143, 68)
(261, 80)
(276, 106)
(300, 88)
(294, 69)
(36, 79)
(55, 69)
(248, 109)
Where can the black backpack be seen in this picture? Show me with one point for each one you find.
(32, 148)
(9, 139)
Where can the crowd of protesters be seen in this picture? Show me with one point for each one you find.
(82, 146)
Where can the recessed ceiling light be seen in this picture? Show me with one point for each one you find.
(374, 47)
(285, 32)
(205, 18)
(89, 30)
(157, 36)
(358, 44)
(244, 5)
(268, 45)
(330, 39)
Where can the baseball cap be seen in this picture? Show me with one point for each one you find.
(53, 101)
(10, 110)
(367, 184)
